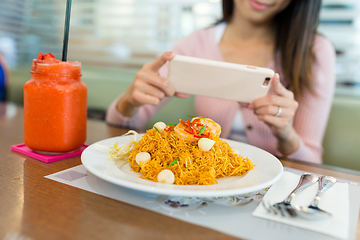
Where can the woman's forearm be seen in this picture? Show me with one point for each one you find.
(289, 145)
(125, 108)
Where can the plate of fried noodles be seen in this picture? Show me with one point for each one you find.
(186, 159)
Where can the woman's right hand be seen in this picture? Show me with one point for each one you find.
(147, 88)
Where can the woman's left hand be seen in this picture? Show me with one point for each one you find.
(278, 112)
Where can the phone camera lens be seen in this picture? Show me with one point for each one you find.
(266, 82)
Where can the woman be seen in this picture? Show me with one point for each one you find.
(278, 34)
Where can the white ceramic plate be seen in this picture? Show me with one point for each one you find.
(267, 171)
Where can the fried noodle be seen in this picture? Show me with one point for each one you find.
(194, 165)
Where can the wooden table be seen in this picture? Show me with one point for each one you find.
(40, 208)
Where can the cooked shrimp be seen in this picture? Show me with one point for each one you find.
(197, 128)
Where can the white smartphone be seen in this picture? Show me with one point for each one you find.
(217, 79)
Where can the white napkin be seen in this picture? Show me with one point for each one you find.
(335, 200)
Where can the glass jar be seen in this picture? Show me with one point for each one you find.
(55, 107)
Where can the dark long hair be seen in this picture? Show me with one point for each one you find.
(295, 32)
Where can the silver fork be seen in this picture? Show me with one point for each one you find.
(284, 208)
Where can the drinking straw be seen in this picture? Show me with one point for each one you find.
(66, 30)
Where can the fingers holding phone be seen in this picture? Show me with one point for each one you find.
(277, 110)
(148, 87)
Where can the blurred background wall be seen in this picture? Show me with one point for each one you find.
(122, 35)
(114, 38)
(128, 33)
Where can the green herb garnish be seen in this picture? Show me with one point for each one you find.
(171, 124)
(157, 129)
(173, 162)
(202, 129)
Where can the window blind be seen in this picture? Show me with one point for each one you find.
(117, 33)
(129, 33)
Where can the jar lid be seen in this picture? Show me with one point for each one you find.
(56, 67)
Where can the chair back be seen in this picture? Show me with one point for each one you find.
(342, 137)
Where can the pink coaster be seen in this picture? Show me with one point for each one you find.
(23, 149)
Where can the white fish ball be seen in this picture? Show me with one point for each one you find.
(166, 176)
(205, 144)
(142, 157)
(160, 126)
